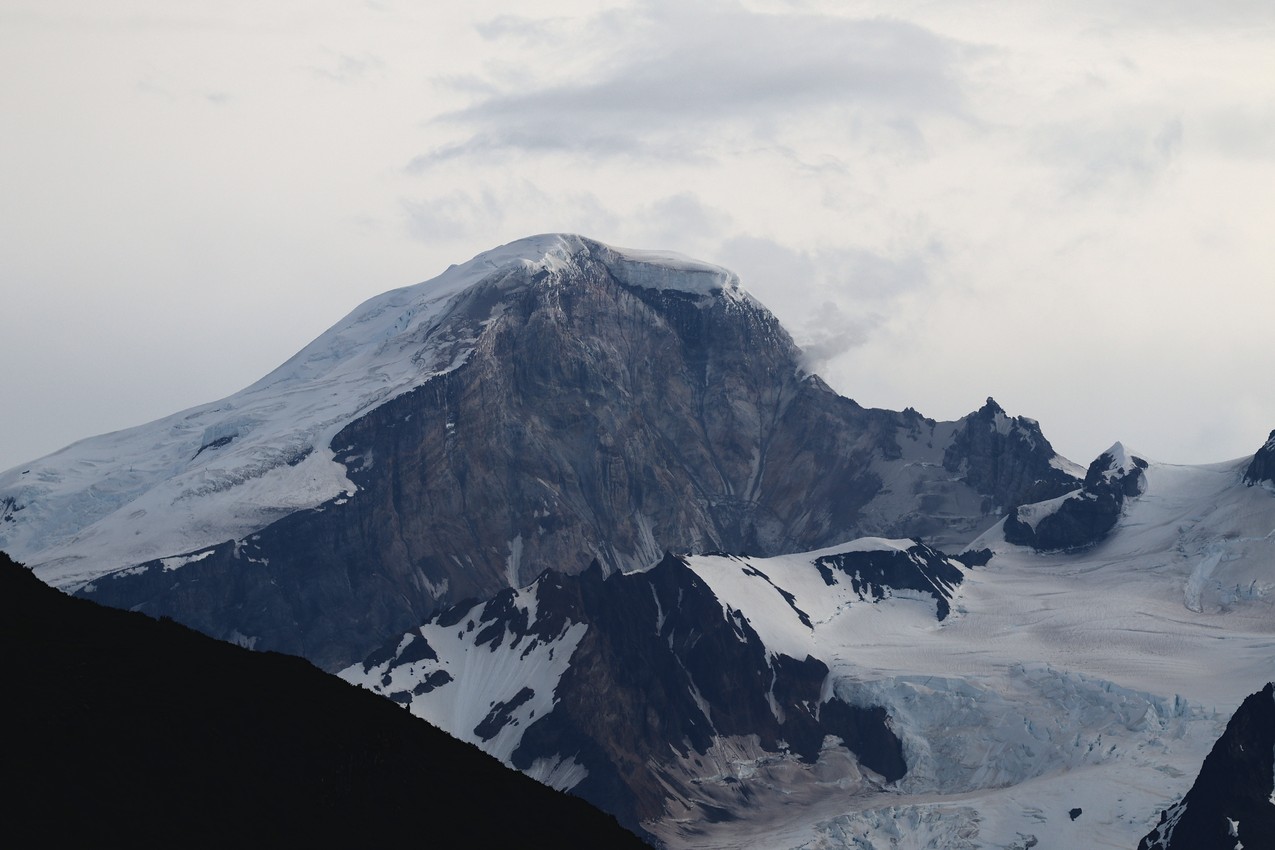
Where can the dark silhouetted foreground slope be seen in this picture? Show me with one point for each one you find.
(126, 728)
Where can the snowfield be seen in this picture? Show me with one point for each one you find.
(1095, 681)
(1064, 701)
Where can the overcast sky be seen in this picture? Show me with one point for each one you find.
(1067, 206)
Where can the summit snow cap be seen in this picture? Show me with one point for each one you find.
(1118, 464)
(661, 270)
(389, 324)
(666, 270)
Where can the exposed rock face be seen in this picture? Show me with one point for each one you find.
(1007, 458)
(604, 409)
(1086, 516)
(872, 574)
(1262, 469)
(628, 689)
(1232, 803)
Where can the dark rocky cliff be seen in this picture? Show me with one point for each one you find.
(1085, 517)
(1006, 458)
(1262, 468)
(1230, 805)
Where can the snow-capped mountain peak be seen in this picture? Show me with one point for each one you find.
(563, 409)
(406, 316)
(223, 470)
(1117, 462)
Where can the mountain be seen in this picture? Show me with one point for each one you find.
(637, 690)
(878, 690)
(1232, 803)
(120, 725)
(550, 500)
(1262, 469)
(548, 404)
(1086, 515)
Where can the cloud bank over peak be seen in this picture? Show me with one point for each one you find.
(941, 201)
(681, 76)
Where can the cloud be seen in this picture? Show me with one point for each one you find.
(1240, 131)
(518, 26)
(830, 299)
(345, 68)
(682, 76)
(1120, 153)
(830, 332)
(453, 216)
(502, 210)
(683, 218)
(851, 272)
(1176, 16)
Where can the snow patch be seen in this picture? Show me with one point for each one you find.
(1199, 578)
(1035, 512)
(774, 594)
(560, 773)
(663, 270)
(462, 689)
(1072, 468)
(1123, 462)
(513, 561)
(178, 561)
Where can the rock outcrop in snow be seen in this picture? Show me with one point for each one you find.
(1262, 468)
(647, 693)
(1007, 458)
(1086, 516)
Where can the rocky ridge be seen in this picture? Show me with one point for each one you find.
(637, 691)
(1262, 468)
(1085, 516)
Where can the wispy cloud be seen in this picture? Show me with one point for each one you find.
(518, 27)
(844, 291)
(684, 76)
(452, 216)
(1121, 154)
(682, 219)
(345, 68)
